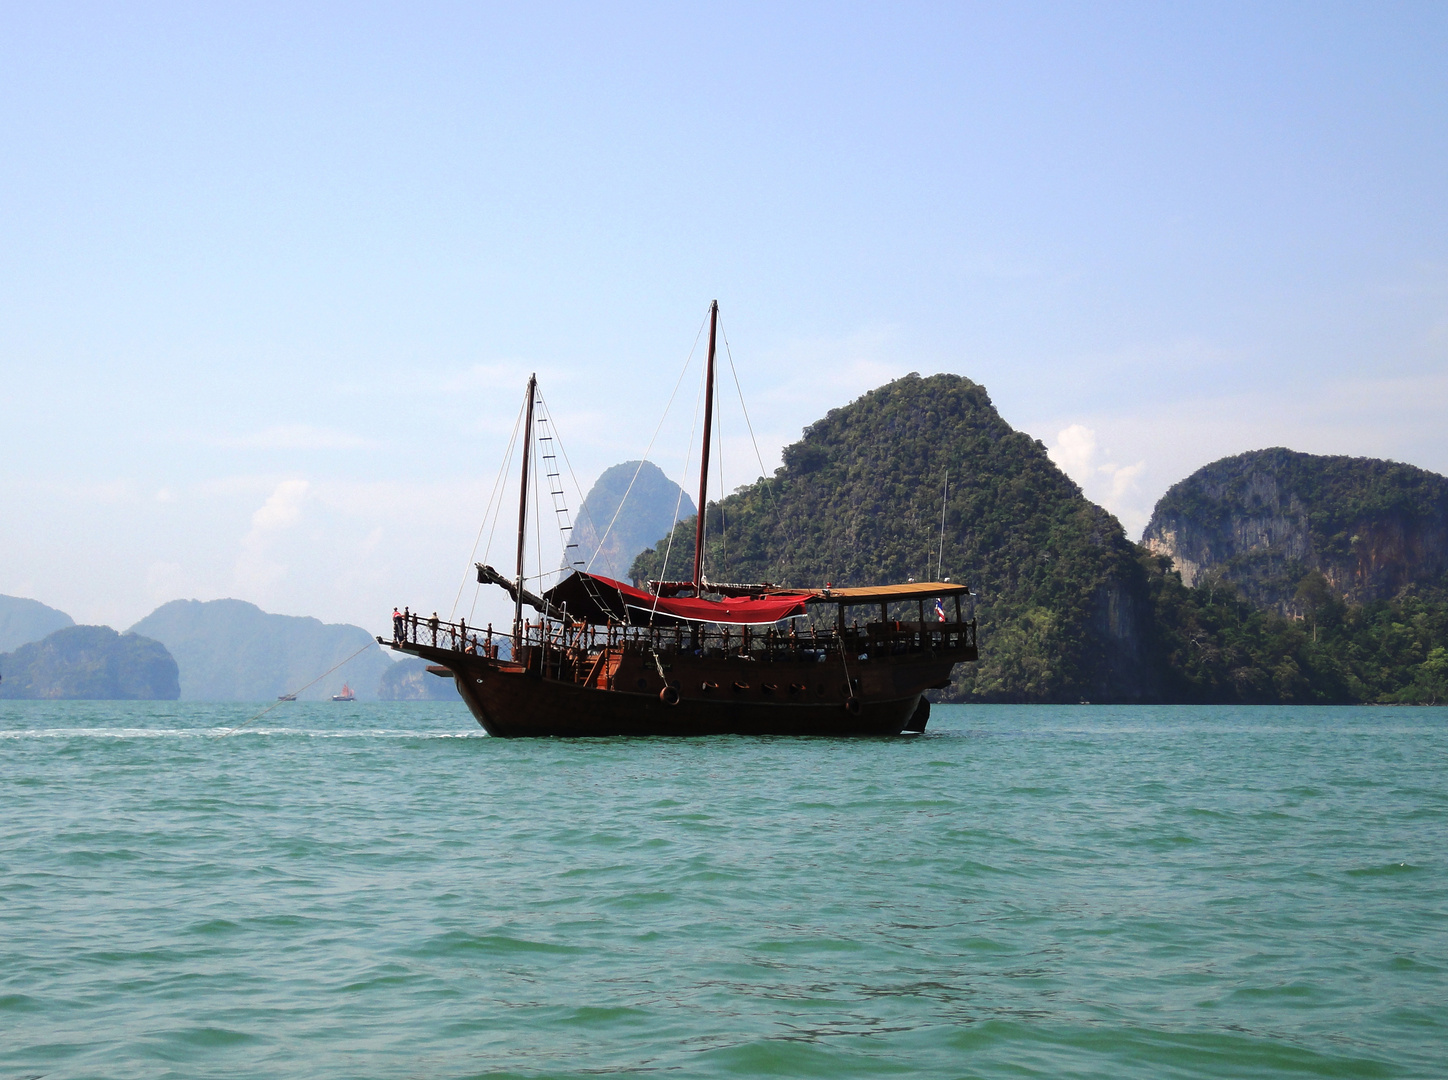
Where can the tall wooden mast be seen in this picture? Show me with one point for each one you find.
(704, 463)
(523, 513)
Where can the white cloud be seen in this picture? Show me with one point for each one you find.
(1076, 452)
(1124, 478)
(280, 510)
(256, 569)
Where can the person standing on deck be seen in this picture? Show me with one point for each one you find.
(396, 626)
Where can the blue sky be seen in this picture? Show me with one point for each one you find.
(271, 280)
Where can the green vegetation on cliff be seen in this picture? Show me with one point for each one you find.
(90, 663)
(1062, 595)
(1314, 579)
(1220, 647)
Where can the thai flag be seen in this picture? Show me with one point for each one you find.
(939, 609)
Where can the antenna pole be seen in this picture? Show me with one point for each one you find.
(523, 514)
(704, 465)
(945, 495)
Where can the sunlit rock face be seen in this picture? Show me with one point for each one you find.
(627, 508)
(1264, 519)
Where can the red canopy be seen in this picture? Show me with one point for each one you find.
(595, 599)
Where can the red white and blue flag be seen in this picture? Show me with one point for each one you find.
(939, 609)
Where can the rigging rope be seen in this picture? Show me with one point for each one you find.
(587, 579)
(944, 497)
(763, 474)
(502, 472)
(677, 383)
(537, 510)
(688, 457)
(294, 693)
(583, 501)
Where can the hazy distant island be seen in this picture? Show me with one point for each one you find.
(216, 650)
(1266, 577)
(627, 527)
(409, 680)
(90, 663)
(23, 621)
(230, 650)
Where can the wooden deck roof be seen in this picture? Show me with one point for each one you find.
(877, 594)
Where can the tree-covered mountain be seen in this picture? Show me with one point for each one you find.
(1285, 577)
(1265, 519)
(1063, 603)
(653, 503)
(230, 650)
(90, 663)
(23, 620)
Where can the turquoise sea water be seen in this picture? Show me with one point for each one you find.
(382, 891)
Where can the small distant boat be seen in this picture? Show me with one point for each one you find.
(286, 697)
(345, 695)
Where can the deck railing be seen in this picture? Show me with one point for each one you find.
(816, 641)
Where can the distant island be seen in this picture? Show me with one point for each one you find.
(217, 650)
(409, 680)
(611, 530)
(90, 663)
(230, 650)
(1063, 609)
(23, 621)
(1285, 577)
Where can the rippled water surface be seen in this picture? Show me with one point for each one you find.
(382, 891)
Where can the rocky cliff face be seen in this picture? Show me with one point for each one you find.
(1264, 519)
(627, 508)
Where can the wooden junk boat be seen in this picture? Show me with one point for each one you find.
(696, 657)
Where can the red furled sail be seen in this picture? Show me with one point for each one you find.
(594, 599)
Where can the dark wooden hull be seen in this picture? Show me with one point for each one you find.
(511, 701)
